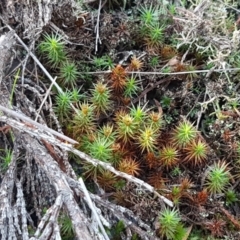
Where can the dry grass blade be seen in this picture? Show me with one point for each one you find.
(90, 204)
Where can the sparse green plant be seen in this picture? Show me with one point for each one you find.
(176, 171)
(234, 59)
(120, 184)
(196, 152)
(100, 148)
(169, 221)
(167, 70)
(76, 95)
(235, 103)
(176, 194)
(155, 120)
(131, 87)
(135, 237)
(191, 68)
(193, 111)
(126, 127)
(53, 47)
(209, 66)
(101, 98)
(108, 131)
(218, 177)
(230, 22)
(184, 3)
(172, 9)
(103, 63)
(83, 120)
(147, 139)
(196, 234)
(231, 197)
(148, 15)
(180, 232)
(6, 160)
(151, 29)
(139, 114)
(84, 73)
(66, 227)
(117, 230)
(63, 105)
(169, 156)
(154, 61)
(68, 74)
(184, 133)
(166, 102)
(155, 35)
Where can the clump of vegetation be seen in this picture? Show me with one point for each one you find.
(67, 231)
(147, 139)
(170, 225)
(196, 152)
(100, 148)
(184, 133)
(6, 159)
(131, 88)
(218, 178)
(169, 156)
(53, 48)
(83, 120)
(63, 105)
(101, 98)
(68, 74)
(126, 127)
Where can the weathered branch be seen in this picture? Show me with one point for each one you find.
(57, 178)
